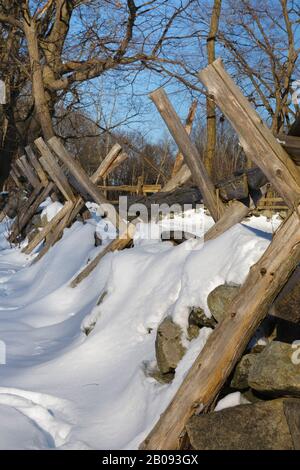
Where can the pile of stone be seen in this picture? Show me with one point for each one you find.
(267, 376)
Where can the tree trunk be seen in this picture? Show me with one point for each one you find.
(9, 148)
(38, 89)
(211, 128)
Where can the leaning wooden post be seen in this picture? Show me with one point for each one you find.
(256, 138)
(47, 229)
(188, 127)
(30, 210)
(83, 180)
(189, 152)
(228, 341)
(112, 159)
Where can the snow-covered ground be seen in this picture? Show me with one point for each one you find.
(62, 389)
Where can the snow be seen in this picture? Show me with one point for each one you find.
(51, 209)
(232, 399)
(63, 389)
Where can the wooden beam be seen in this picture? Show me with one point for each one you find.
(107, 162)
(256, 139)
(182, 176)
(113, 158)
(32, 177)
(85, 182)
(188, 127)
(47, 229)
(230, 338)
(28, 212)
(15, 169)
(147, 188)
(15, 178)
(23, 170)
(54, 171)
(37, 166)
(122, 157)
(189, 152)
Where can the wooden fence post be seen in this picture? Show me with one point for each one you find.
(228, 341)
(189, 152)
(256, 138)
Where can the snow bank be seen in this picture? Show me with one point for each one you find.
(62, 389)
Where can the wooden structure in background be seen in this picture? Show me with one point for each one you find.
(57, 170)
(266, 278)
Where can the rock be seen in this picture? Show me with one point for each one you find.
(240, 376)
(98, 239)
(168, 346)
(161, 378)
(266, 425)
(276, 371)
(287, 303)
(151, 370)
(193, 331)
(258, 348)
(220, 298)
(197, 317)
(251, 397)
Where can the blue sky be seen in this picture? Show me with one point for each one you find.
(121, 96)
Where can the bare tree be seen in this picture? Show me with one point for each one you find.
(211, 132)
(65, 43)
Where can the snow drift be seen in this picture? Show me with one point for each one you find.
(63, 389)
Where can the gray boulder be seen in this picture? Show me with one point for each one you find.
(220, 299)
(168, 346)
(276, 371)
(240, 376)
(197, 317)
(267, 425)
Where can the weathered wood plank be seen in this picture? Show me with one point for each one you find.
(256, 139)
(15, 178)
(15, 169)
(23, 170)
(47, 229)
(122, 157)
(85, 182)
(147, 188)
(181, 177)
(54, 171)
(107, 162)
(37, 166)
(113, 158)
(190, 153)
(228, 341)
(32, 177)
(28, 212)
(188, 127)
